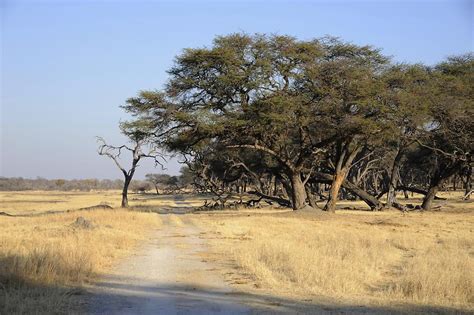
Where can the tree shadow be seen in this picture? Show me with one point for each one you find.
(163, 209)
(21, 295)
(125, 295)
(120, 295)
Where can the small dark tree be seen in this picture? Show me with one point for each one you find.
(139, 140)
(186, 177)
(160, 181)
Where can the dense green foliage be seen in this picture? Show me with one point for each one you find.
(273, 108)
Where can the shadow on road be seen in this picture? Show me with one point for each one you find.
(181, 298)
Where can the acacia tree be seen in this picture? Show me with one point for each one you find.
(139, 140)
(271, 94)
(451, 130)
(160, 181)
(309, 111)
(407, 95)
(345, 88)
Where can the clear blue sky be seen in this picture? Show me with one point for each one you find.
(66, 66)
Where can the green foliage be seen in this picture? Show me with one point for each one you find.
(295, 105)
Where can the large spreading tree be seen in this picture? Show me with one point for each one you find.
(309, 111)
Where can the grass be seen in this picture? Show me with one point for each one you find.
(382, 258)
(33, 202)
(45, 260)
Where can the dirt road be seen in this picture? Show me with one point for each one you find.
(167, 276)
(171, 275)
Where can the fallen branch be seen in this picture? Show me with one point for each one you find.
(282, 202)
(410, 189)
(468, 195)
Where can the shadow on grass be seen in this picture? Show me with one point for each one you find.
(120, 295)
(123, 296)
(23, 296)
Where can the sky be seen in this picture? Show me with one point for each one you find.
(67, 66)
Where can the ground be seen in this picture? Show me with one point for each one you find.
(267, 260)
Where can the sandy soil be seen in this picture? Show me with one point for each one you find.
(166, 276)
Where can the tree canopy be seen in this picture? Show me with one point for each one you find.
(272, 106)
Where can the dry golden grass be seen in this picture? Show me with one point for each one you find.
(44, 259)
(383, 258)
(30, 202)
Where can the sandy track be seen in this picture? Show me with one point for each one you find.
(166, 276)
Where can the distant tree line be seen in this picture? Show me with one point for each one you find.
(19, 183)
(289, 118)
(166, 184)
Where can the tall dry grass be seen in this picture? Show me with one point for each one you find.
(33, 202)
(43, 260)
(385, 258)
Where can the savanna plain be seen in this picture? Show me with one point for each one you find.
(386, 261)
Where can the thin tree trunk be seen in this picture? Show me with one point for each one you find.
(370, 200)
(334, 192)
(344, 162)
(393, 180)
(275, 187)
(128, 179)
(311, 200)
(468, 183)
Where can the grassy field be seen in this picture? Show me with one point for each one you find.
(383, 258)
(44, 260)
(34, 202)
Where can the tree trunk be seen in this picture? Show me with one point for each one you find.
(407, 189)
(345, 156)
(375, 183)
(282, 202)
(393, 180)
(441, 175)
(370, 200)
(429, 197)
(311, 200)
(128, 179)
(298, 192)
(468, 183)
(405, 193)
(334, 192)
